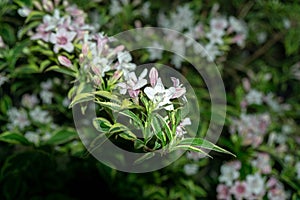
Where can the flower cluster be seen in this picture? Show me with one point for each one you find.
(60, 30)
(257, 185)
(215, 36)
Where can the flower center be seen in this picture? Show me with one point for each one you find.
(62, 40)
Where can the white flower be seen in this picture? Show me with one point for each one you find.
(297, 167)
(40, 116)
(46, 96)
(254, 97)
(215, 37)
(146, 9)
(29, 101)
(182, 19)
(218, 24)
(228, 174)
(3, 79)
(46, 85)
(262, 162)
(62, 39)
(24, 11)
(17, 118)
(256, 184)
(155, 51)
(2, 44)
(133, 84)
(32, 137)
(190, 169)
(180, 129)
(115, 7)
(176, 61)
(237, 25)
(286, 23)
(211, 52)
(261, 37)
(160, 96)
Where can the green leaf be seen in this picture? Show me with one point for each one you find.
(80, 98)
(158, 131)
(188, 147)
(292, 41)
(63, 70)
(201, 143)
(107, 95)
(102, 124)
(28, 27)
(123, 131)
(110, 105)
(146, 156)
(138, 144)
(62, 136)
(14, 138)
(44, 65)
(165, 126)
(34, 15)
(132, 116)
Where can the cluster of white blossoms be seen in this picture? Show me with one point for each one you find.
(213, 35)
(251, 128)
(159, 96)
(255, 186)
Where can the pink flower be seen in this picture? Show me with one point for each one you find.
(64, 61)
(223, 192)
(41, 33)
(262, 162)
(62, 39)
(133, 84)
(180, 129)
(239, 190)
(153, 75)
(179, 90)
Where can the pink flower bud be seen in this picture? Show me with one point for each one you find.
(153, 75)
(48, 5)
(64, 61)
(85, 49)
(37, 5)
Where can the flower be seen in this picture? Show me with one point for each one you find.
(29, 101)
(254, 97)
(190, 169)
(239, 190)
(215, 37)
(133, 84)
(256, 184)
(155, 51)
(64, 61)
(297, 167)
(180, 129)
(160, 96)
(62, 39)
(229, 173)
(262, 162)
(32, 137)
(40, 116)
(2, 44)
(211, 52)
(179, 90)
(46, 96)
(218, 24)
(223, 192)
(3, 79)
(17, 118)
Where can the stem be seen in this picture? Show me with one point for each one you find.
(261, 51)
